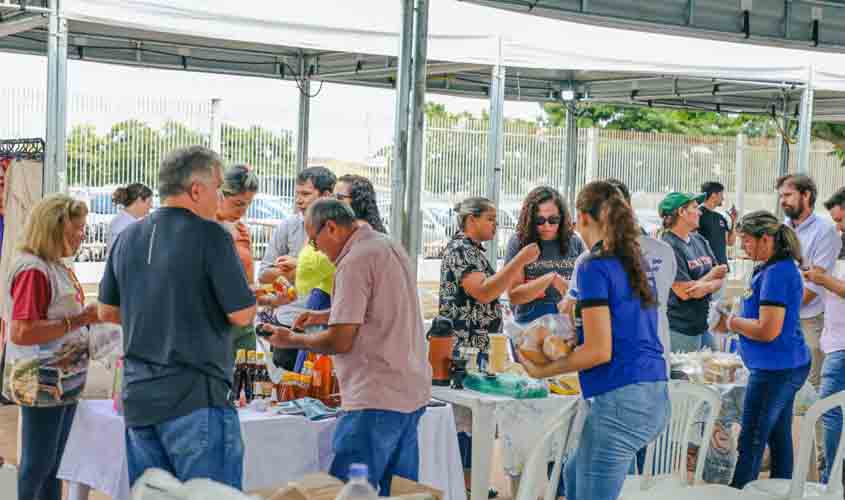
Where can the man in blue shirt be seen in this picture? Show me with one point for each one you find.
(175, 283)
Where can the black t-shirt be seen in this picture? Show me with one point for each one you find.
(695, 259)
(175, 277)
(715, 230)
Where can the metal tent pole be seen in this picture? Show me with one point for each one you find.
(806, 126)
(400, 134)
(55, 158)
(571, 177)
(304, 122)
(416, 137)
(495, 148)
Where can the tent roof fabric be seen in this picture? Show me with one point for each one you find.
(346, 43)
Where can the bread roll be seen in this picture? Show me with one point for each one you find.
(536, 357)
(555, 348)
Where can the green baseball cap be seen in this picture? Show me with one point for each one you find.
(674, 201)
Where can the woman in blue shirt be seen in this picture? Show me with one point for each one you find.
(619, 357)
(771, 345)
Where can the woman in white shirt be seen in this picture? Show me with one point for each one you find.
(136, 200)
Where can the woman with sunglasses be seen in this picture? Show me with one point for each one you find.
(358, 192)
(544, 220)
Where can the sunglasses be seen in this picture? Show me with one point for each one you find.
(554, 220)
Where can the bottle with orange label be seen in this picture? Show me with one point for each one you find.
(321, 386)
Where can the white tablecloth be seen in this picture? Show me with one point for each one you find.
(278, 449)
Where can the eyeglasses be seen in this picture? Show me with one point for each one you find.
(554, 220)
(342, 196)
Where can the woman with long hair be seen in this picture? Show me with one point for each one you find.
(358, 192)
(545, 221)
(619, 357)
(47, 346)
(136, 200)
(772, 346)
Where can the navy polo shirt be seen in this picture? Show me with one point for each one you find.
(637, 350)
(777, 284)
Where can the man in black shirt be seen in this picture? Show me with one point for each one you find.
(175, 283)
(717, 230)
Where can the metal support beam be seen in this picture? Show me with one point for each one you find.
(400, 133)
(495, 149)
(303, 125)
(416, 136)
(783, 152)
(55, 159)
(571, 165)
(739, 172)
(217, 126)
(805, 127)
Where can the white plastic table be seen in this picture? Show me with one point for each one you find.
(487, 412)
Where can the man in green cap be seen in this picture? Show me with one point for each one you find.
(699, 275)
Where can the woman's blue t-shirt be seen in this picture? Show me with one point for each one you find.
(637, 352)
(777, 284)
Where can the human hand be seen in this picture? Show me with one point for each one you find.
(286, 263)
(307, 319)
(89, 315)
(720, 271)
(530, 253)
(814, 274)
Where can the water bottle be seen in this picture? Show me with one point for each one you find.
(358, 487)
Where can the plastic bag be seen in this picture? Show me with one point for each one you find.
(507, 384)
(804, 399)
(546, 339)
(105, 342)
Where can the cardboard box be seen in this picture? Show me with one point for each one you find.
(325, 487)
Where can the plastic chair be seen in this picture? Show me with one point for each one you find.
(157, 484)
(666, 457)
(560, 437)
(798, 487)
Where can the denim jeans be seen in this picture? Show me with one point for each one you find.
(680, 342)
(203, 444)
(833, 381)
(619, 424)
(44, 433)
(386, 441)
(767, 419)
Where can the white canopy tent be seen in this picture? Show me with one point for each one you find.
(473, 51)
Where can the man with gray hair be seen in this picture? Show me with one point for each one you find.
(174, 282)
(376, 334)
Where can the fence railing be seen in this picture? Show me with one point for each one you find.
(115, 141)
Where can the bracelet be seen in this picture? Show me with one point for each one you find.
(728, 323)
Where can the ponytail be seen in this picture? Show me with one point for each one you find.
(788, 245)
(786, 242)
(605, 204)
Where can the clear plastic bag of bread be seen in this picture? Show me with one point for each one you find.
(546, 339)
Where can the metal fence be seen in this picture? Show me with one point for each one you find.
(114, 141)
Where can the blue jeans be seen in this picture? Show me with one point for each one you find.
(203, 444)
(44, 433)
(386, 441)
(833, 381)
(619, 424)
(680, 342)
(767, 419)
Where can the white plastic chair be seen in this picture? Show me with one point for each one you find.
(665, 464)
(157, 484)
(559, 438)
(798, 487)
